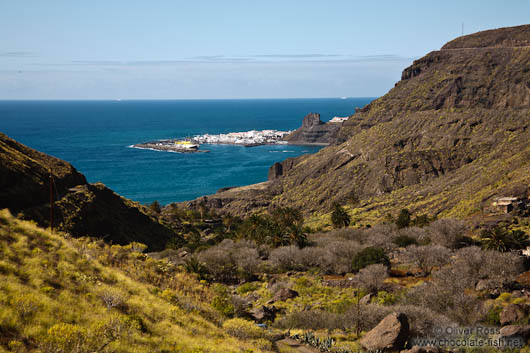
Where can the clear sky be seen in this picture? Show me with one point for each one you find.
(195, 49)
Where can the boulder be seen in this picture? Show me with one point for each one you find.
(283, 294)
(512, 313)
(264, 313)
(486, 284)
(515, 332)
(389, 335)
(366, 299)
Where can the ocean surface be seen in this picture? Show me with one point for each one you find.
(94, 136)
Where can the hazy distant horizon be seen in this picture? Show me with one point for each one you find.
(64, 50)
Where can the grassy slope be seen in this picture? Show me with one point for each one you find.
(56, 294)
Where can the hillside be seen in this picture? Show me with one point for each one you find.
(77, 296)
(79, 208)
(450, 136)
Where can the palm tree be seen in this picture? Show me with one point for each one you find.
(339, 217)
(496, 238)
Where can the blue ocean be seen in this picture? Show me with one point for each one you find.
(94, 136)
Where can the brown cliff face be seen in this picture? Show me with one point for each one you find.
(314, 131)
(451, 134)
(81, 209)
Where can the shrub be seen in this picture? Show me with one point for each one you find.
(222, 301)
(66, 338)
(385, 298)
(428, 257)
(493, 315)
(372, 277)
(155, 206)
(370, 256)
(448, 233)
(404, 240)
(242, 329)
(247, 287)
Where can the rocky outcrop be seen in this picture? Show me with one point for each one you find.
(515, 332)
(79, 208)
(314, 131)
(281, 168)
(284, 293)
(264, 313)
(513, 313)
(390, 334)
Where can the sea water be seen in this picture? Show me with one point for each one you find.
(95, 137)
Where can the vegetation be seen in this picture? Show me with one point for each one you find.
(68, 295)
(339, 217)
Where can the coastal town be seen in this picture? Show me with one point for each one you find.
(252, 138)
(246, 138)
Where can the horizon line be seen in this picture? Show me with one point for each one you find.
(168, 99)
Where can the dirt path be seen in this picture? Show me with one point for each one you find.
(297, 346)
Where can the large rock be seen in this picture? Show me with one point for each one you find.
(264, 313)
(283, 294)
(390, 334)
(311, 120)
(513, 313)
(515, 332)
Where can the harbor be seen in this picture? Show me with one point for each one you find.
(192, 145)
(178, 146)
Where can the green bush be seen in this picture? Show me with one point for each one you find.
(404, 240)
(247, 287)
(369, 256)
(222, 301)
(493, 316)
(242, 329)
(385, 298)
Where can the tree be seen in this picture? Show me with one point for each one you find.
(499, 239)
(339, 217)
(403, 220)
(372, 277)
(369, 256)
(429, 256)
(155, 206)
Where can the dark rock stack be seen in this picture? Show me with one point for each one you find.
(314, 131)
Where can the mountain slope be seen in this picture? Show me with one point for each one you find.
(449, 136)
(59, 295)
(79, 208)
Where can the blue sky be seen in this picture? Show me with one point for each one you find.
(129, 49)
